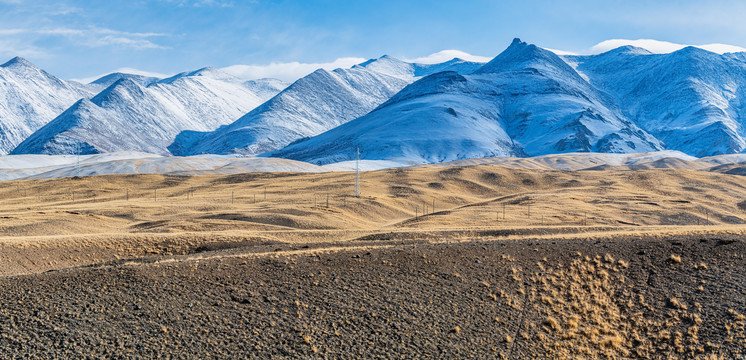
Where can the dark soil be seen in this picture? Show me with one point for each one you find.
(623, 298)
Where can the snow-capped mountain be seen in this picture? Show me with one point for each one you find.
(313, 104)
(410, 71)
(691, 99)
(107, 80)
(128, 116)
(29, 98)
(526, 101)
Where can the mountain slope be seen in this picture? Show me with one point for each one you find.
(130, 117)
(313, 104)
(29, 98)
(108, 80)
(526, 101)
(691, 99)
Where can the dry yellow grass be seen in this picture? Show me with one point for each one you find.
(51, 224)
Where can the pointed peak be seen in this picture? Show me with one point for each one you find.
(693, 50)
(18, 62)
(208, 72)
(119, 87)
(203, 71)
(518, 42)
(627, 49)
(521, 55)
(382, 59)
(108, 80)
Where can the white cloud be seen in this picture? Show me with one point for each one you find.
(289, 71)
(660, 47)
(446, 55)
(93, 37)
(121, 41)
(561, 52)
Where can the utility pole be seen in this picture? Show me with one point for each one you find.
(77, 152)
(357, 174)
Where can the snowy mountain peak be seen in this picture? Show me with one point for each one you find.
(695, 52)
(389, 66)
(18, 62)
(520, 56)
(518, 42)
(108, 80)
(206, 72)
(627, 50)
(122, 88)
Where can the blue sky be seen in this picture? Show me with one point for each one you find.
(83, 38)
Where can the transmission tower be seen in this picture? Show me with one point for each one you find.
(357, 174)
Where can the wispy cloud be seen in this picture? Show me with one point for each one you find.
(289, 71)
(206, 3)
(12, 47)
(92, 37)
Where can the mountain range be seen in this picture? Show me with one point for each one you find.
(30, 98)
(527, 101)
(316, 103)
(140, 114)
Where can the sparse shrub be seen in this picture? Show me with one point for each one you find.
(612, 342)
(552, 324)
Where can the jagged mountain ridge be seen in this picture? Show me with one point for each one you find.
(690, 99)
(526, 101)
(29, 98)
(522, 103)
(128, 116)
(315, 103)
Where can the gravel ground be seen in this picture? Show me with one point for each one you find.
(680, 297)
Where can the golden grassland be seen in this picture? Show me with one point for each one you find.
(52, 224)
(459, 261)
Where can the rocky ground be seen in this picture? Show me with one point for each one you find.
(627, 297)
